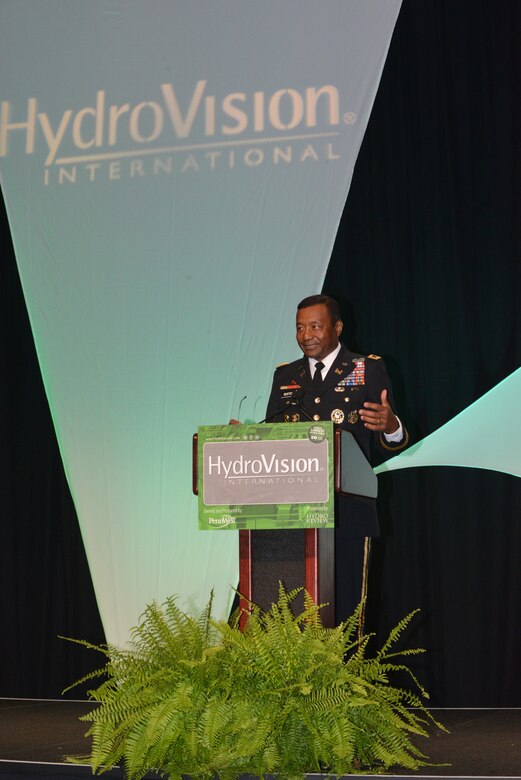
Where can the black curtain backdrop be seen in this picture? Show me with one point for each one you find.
(45, 585)
(426, 268)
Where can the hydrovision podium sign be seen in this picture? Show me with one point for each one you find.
(266, 476)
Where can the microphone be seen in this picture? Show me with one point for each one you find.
(291, 396)
(240, 404)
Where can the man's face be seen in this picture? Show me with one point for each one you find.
(317, 336)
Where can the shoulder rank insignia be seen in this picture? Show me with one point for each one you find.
(374, 357)
(279, 365)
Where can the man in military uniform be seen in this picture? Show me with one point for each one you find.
(331, 383)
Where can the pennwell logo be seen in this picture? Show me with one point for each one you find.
(164, 134)
(222, 522)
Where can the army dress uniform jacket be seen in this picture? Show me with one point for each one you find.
(351, 380)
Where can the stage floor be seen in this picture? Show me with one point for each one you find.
(35, 735)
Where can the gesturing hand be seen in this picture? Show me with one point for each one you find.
(379, 417)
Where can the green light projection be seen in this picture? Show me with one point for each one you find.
(485, 435)
(174, 174)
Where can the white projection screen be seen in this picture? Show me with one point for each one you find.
(174, 174)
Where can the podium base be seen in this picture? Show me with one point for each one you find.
(299, 558)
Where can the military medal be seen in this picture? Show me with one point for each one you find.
(357, 375)
(337, 416)
(352, 417)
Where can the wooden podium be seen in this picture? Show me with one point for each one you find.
(299, 557)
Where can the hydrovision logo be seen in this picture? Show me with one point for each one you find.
(262, 466)
(167, 135)
(282, 471)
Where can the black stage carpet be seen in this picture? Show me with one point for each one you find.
(35, 735)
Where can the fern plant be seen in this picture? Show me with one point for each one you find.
(195, 696)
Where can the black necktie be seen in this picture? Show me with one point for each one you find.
(317, 378)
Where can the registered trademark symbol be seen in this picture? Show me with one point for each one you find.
(350, 118)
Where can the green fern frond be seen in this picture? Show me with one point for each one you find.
(195, 696)
(395, 633)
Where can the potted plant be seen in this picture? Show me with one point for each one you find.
(196, 696)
